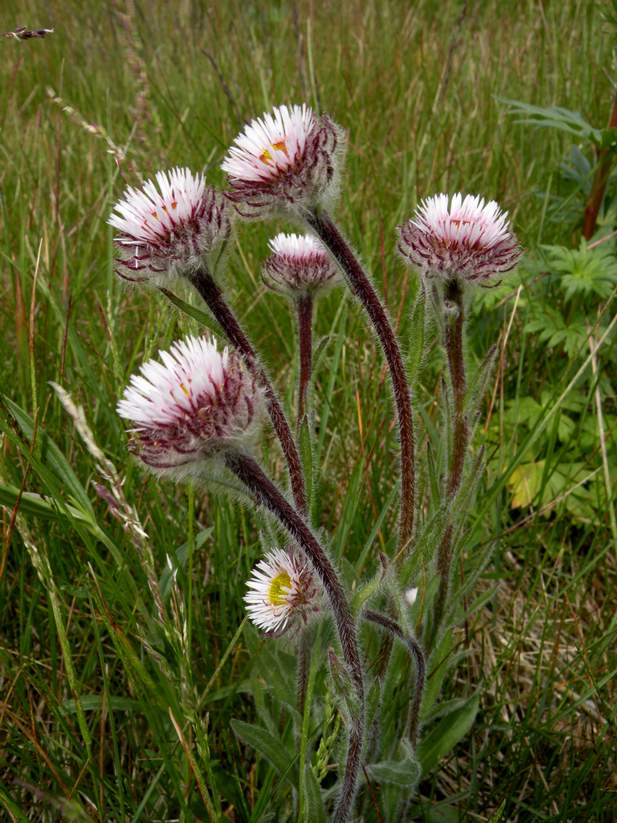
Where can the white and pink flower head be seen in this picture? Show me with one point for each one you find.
(168, 227)
(285, 160)
(458, 236)
(281, 592)
(299, 265)
(191, 405)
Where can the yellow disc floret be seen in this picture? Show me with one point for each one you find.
(279, 589)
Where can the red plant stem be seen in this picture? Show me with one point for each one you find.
(460, 438)
(268, 495)
(304, 305)
(600, 181)
(214, 298)
(363, 289)
(415, 650)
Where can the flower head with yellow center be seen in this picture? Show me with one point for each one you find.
(169, 226)
(285, 160)
(281, 590)
(192, 405)
(458, 236)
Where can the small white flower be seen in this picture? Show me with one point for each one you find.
(460, 236)
(411, 595)
(285, 159)
(195, 403)
(280, 589)
(299, 264)
(167, 227)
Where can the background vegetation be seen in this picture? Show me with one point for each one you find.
(98, 720)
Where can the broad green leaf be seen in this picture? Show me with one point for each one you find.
(404, 773)
(524, 483)
(272, 748)
(447, 733)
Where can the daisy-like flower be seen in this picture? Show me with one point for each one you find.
(460, 236)
(168, 227)
(281, 588)
(299, 264)
(287, 159)
(192, 405)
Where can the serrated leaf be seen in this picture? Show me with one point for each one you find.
(447, 733)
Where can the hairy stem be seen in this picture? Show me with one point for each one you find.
(363, 289)
(215, 300)
(304, 662)
(460, 439)
(416, 653)
(268, 495)
(304, 305)
(606, 158)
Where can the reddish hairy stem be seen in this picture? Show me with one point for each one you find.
(214, 298)
(304, 305)
(460, 438)
(415, 651)
(600, 181)
(268, 495)
(361, 286)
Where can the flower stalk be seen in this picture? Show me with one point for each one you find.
(268, 495)
(454, 344)
(363, 289)
(417, 655)
(304, 309)
(213, 296)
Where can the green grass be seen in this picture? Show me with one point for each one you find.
(90, 673)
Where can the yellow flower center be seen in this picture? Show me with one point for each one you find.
(266, 156)
(279, 589)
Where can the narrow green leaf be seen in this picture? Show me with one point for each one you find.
(314, 811)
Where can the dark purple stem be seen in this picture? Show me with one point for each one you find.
(304, 662)
(415, 651)
(214, 298)
(304, 305)
(361, 286)
(268, 495)
(460, 437)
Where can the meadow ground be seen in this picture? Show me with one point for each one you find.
(121, 89)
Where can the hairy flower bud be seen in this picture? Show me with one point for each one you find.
(299, 265)
(459, 237)
(194, 404)
(169, 228)
(287, 160)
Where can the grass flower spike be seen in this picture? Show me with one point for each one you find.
(168, 226)
(299, 265)
(458, 236)
(287, 159)
(281, 590)
(192, 405)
